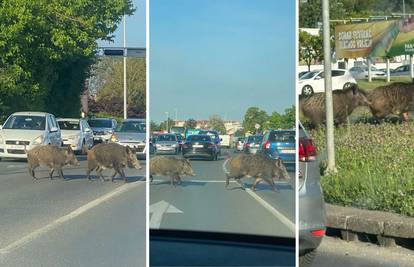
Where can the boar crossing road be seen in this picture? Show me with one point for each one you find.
(206, 204)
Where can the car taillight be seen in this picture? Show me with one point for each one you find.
(319, 232)
(267, 145)
(247, 145)
(307, 150)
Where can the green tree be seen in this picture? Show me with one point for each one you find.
(190, 123)
(163, 125)
(216, 122)
(154, 126)
(275, 120)
(255, 115)
(310, 48)
(110, 73)
(310, 12)
(47, 48)
(288, 119)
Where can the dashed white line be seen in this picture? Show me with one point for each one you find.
(37, 233)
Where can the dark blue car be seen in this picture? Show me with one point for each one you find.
(280, 144)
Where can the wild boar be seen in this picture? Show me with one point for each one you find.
(344, 103)
(260, 166)
(172, 167)
(111, 156)
(52, 157)
(395, 98)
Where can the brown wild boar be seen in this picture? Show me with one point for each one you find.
(172, 167)
(50, 156)
(344, 103)
(111, 156)
(395, 98)
(259, 166)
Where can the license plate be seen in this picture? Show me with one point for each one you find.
(197, 146)
(15, 147)
(288, 151)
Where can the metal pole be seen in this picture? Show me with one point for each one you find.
(166, 114)
(388, 70)
(369, 70)
(411, 68)
(125, 69)
(330, 145)
(404, 9)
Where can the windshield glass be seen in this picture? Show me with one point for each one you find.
(310, 75)
(199, 138)
(131, 127)
(287, 137)
(69, 125)
(100, 123)
(167, 137)
(25, 122)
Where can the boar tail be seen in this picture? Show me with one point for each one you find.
(85, 149)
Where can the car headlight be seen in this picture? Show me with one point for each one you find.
(1, 140)
(157, 145)
(114, 138)
(174, 145)
(108, 132)
(38, 140)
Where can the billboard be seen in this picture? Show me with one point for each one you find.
(374, 39)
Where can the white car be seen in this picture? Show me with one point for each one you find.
(75, 133)
(28, 129)
(314, 82)
(132, 133)
(361, 72)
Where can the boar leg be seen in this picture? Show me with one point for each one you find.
(227, 180)
(61, 174)
(99, 172)
(151, 178)
(272, 183)
(404, 116)
(32, 173)
(123, 175)
(258, 179)
(51, 173)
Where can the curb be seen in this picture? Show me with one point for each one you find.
(386, 226)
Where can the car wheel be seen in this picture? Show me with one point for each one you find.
(306, 259)
(347, 85)
(307, 90)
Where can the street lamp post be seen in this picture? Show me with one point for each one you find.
(166, 114)
(125, 69)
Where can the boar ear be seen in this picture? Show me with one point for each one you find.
(354, 89)
(128, 150)
(279, 162)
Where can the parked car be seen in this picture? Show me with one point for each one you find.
(167, 144)
(200, 146)
(75, 133)
(403, 70)
(302, 73)
(361, 72)
(312, 215)
(28, 129)
(180, 140)
(240, 144)
(314, 82)
(102, 128)
(280, 144)
(132, 133)
(252, 144)
(214, 137)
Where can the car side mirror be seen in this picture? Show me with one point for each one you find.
(88, 130)
(53, 129)
(317, 78)
(221, 139)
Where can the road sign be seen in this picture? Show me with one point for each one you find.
(119, 51)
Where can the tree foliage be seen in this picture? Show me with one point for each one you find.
(47, 47)
(310, 48)
(216, 122)
(190, 123)
(274, 121)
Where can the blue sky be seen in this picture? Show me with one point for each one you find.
(135, 28)
(221, 57)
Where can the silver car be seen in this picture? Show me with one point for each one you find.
(132, 133)
(75, 133)
(167, 144)
(102, 128)
(27, 130)
(312, 217)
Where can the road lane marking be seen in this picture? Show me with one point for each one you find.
(158, 210)
(209, 181)
(37, 233)
(285, 220)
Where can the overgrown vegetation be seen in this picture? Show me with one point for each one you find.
(375, 167)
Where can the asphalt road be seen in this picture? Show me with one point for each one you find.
(72, 222)
(338, 253)
(202, 203)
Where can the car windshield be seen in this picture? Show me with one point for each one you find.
(167, 137)
(287, 137)
(69, 125)
(310, 75)
(25, 122)
(254, 139)
(131, 127)
(199, 138)
(100, 123)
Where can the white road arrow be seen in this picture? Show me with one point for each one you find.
(158, 209)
